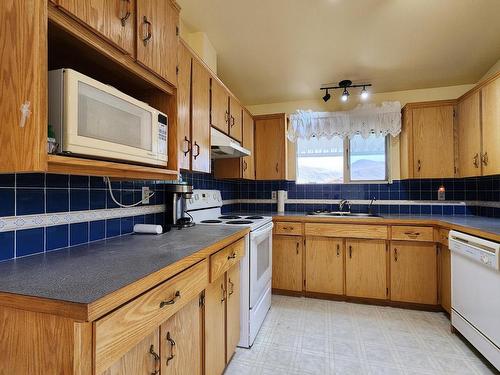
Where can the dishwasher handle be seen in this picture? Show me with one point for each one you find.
(480, 251)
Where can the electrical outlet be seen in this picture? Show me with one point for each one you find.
(145, 194)
(273, 195)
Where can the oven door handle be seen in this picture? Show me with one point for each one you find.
(264, 230)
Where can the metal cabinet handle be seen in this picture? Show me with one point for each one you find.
(395, 254)
(419, 165)
(149, 34)
(287, 228)
(186, 140)
(177, 295)
(223, 293)
(350, 251)
(277, 169)
(412, 234)
(297, 248)
(156, 357)
(231, 284)
(475, 160)
(484, 159)
(226, 117)
(197, 150)
(232, 122)
(232, 256)
(338, 250)
(127, 14)
(172, 344)
(244, 165)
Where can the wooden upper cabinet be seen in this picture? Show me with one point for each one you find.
(233, 310)
(287, 263)
(142, 359)
(200, 127)
(414, 272)
(184, 108)
(490, 110)
(270, 147)
(235, 119)
(181, 341)
(427, 140)
(469, 135)
(324, 265)
(23, 57)
(248, 162)
(219, 111)
(366, 269)
(157, 37)
(114, 19)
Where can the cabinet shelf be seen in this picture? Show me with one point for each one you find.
(87, 167)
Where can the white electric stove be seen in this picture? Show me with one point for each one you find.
(256, 267)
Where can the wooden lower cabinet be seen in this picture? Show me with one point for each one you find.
(181, 340)
(366, 269)
(414, 272)
(222, 320)
(445, 279)
(324, 265)
(142, 359)
(287, 262)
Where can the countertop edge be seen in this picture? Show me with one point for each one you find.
(92, 311)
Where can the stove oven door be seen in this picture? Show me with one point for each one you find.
(260, 261)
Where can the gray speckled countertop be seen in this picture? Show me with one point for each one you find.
(84, 274)
(485, 224)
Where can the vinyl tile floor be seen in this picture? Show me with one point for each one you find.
(303, 336)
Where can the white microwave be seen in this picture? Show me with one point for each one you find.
(96, 120)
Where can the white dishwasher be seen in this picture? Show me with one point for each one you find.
(475, 292)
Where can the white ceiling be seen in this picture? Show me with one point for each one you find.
(282, 50)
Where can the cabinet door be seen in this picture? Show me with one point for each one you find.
(433, 148)
(366, 269)
(184, 108)
(233, 310)
(445, 287)
(490, 110)
(405, 142)
(414, 272)
(143, 359)
(215, 318)
(23, 37)
(324, 265)
(270, 148)
(201, 118)
(236, 120)
(157, 39)
(287, 263)
(114, 19)
(219, 111)
(181, 341)
(248, 161)
(469, 136)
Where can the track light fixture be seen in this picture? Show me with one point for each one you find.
(345, 84)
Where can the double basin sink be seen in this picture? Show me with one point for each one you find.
(341, 214)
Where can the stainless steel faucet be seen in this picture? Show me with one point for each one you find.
(342, 203)
(370, 207)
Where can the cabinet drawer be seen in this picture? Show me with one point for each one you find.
(224, 259)
(410, 233)
(347, 230)
(118, 332)
(288, 228)
(443, 236)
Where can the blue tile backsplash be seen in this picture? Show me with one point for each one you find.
(31, 194)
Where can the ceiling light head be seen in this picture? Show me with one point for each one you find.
(345, 95)
(364, 93)
(327, 96)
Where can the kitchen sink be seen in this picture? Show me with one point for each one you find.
(341, 214)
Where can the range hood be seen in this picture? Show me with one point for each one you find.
(224, 147)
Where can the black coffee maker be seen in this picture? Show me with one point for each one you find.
(175, 206)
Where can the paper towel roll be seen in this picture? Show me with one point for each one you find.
(281, 200)
(148, 229)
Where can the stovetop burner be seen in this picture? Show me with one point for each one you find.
(239, 222)
(229, 217)
(254, 217)
(211, 221)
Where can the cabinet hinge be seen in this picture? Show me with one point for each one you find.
(202, 299)
(387, 292)
(454, 113)
(177, 30)
(304, 283)
(177, 70)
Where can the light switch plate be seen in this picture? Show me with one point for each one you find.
(273, 195)
(145, 194)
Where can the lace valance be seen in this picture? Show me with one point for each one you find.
(364, 120)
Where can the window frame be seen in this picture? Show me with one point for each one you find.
(347, 170)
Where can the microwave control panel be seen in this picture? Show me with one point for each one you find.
(162, 134)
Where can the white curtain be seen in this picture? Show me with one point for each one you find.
(365, 119)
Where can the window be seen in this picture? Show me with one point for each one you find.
(342, 160)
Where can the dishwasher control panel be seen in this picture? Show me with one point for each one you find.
(477, 249)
